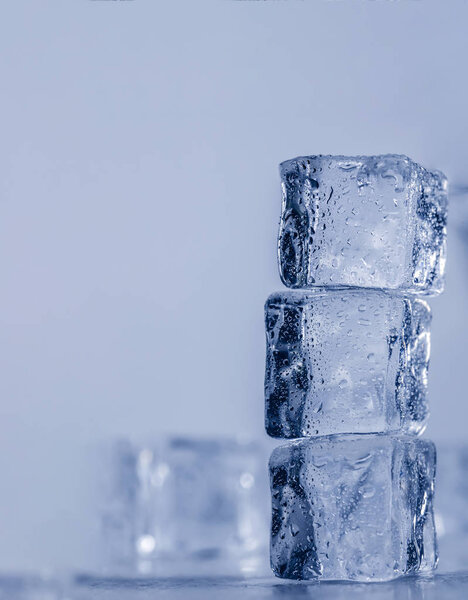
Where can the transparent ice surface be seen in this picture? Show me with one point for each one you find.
(353, 508)
(345, 361)
(368, 221)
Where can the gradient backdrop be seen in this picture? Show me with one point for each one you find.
(139, 205)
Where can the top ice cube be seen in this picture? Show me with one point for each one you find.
(367, 221)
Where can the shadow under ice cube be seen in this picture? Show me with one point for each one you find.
(353, 508)
(369, 221)
(345, 361)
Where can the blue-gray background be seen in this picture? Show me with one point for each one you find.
(139, 204)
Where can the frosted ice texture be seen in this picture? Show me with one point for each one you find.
(368, 221)
(345, 361)
(353, 507)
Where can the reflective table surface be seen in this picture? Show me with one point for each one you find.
(85, 587)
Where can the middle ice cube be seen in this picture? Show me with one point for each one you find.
(345, 361)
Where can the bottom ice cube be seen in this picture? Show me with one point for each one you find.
(353, 507)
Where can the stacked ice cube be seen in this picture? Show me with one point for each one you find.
(346, 370)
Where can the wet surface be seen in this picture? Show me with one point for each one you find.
(85, 587)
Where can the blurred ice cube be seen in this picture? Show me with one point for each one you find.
(182, 499)
(451, 506)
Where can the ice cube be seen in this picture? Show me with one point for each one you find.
(181, 501)
(353, 507)
(451, 505)
(368, 221)
(345, 361)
